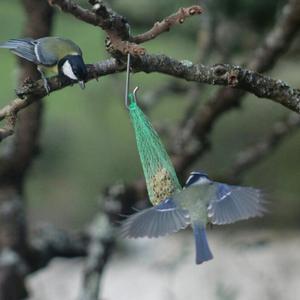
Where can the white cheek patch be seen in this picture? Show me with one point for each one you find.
(67, 70)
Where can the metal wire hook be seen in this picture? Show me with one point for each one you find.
(127, 80)
(128, 83)
(134, 93)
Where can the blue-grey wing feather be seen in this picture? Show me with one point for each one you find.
(156, 221)
(47, 58)
(22, 47)
(233, 203)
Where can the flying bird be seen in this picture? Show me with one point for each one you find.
(200, 202)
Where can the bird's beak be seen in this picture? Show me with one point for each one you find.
(81, 84)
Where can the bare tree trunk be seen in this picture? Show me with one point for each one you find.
(14, 166)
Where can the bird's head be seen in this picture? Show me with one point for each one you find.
(74, 68)
(197, 178)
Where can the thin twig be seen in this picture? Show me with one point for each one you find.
(166, 24)
(254, 154)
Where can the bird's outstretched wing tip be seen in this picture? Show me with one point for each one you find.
(234, 203)
(155, 222)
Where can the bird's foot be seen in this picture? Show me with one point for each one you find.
(46, 86)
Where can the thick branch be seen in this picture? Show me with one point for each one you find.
(106, 19)
(99, 248)
(11, 275)
(118, 201)
(14, 166)
(31, 92)
(49, 242)
(228, 75)
(115, 26)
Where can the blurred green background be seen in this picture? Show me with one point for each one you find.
(87, 141)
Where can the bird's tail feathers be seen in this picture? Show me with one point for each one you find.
(203, 252)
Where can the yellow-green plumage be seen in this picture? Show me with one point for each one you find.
(196, 200)
(52, 55)
(48, 71)
(56, 48)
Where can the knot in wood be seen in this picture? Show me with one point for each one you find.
(220, 70)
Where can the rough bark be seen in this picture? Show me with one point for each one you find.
(14, 166)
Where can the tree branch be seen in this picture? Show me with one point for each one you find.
(116, 26)
(96, 243)
(254, 154)
(14, 166)
(49, 242)
(166, 24)
(99, 248)
(104, 18)
(279, 39)
(118, 200)
(193, 138)
(220, 74)
(228, 75)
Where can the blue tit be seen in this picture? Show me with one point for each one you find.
(201, 201)
(52, 55)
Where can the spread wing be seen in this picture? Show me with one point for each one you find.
(159, 220)
(233, 203)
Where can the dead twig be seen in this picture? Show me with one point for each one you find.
(166, 24)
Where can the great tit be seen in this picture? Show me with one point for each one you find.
(201, 201)
(52, 55)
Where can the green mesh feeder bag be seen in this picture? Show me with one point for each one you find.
(159, 172)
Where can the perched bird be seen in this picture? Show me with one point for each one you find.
(201, 201)
(52, 55)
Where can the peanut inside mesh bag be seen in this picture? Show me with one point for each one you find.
(161, 185)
